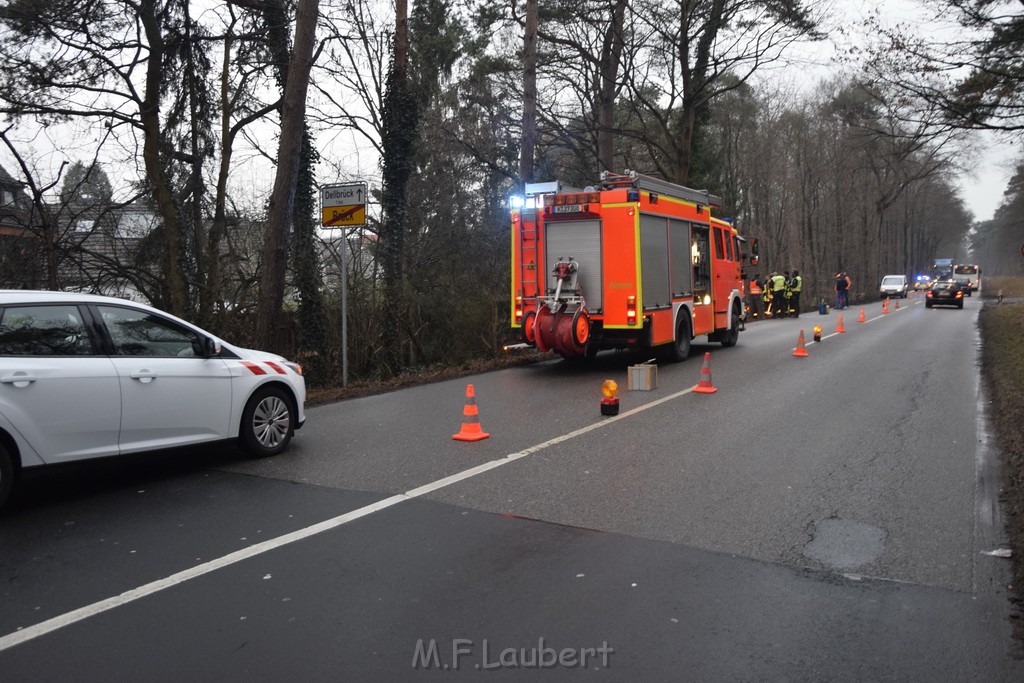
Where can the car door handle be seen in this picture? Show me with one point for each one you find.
(144, 376)
(18, 379)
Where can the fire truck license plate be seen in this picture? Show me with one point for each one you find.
(569, 208)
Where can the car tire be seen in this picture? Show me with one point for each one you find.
(267, 424)
(927, 304)
(960, 305)
(6, 474)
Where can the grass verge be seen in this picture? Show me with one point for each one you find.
(1002, 331)
(1010, 287)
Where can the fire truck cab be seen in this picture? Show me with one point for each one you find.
(635, 262)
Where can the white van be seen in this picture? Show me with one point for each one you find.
(894, 285)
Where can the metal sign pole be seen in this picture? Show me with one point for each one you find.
(343, 206)
(344, 309)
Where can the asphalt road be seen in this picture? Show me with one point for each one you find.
(816, 518)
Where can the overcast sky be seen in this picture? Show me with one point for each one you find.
(806, 65)
(992, 156)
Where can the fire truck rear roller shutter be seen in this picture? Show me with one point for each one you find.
(582, 241)
(654, 261)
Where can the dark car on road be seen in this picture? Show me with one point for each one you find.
(945, 293)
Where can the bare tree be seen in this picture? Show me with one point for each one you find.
(697, 51)
(975, 78)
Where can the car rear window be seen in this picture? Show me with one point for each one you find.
(43, 331)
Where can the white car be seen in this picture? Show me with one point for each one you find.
(85, 376)
(894, 285)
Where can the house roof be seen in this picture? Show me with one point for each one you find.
(7, 179)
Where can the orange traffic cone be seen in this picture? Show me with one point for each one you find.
(471, 430)
(897, 305)
(862, 319)
(800, 351)
(885, 306)
(839, 327)
(704, 386)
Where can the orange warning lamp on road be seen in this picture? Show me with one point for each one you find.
(610, 402)
(817, 333)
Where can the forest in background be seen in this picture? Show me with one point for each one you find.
(461, 101)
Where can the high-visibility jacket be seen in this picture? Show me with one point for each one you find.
(796, 283)
(755, 288)
(778, 283)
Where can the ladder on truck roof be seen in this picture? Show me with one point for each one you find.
(639, 181)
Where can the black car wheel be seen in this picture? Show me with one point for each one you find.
(927, 304)
(267, 422)
(960, 305)
(6, 475)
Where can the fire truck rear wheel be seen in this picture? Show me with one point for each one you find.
(681, 346)
(732, 336)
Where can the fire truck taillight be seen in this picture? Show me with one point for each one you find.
(519, 310)
(631, 310)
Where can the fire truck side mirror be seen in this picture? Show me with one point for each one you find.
(755, 251)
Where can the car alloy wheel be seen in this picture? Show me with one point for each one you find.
(267, 422)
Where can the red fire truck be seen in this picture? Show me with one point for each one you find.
(635, 262)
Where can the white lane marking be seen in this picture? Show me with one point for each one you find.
(868, 320)
(50, 625)
(77, 615)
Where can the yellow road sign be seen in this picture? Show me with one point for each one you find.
(340, 216)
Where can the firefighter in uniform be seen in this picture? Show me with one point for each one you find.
(787, 309)
(755, 296)
(778, 295)
(796, 283)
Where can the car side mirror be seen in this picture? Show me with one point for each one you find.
(205, 347)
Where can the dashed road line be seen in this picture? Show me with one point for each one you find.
(67, 619)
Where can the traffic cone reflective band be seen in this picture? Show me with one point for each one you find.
(839, 327)
(800, 351)
(862, 319)
(471, 430)
(704, 386)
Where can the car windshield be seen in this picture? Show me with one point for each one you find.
(892, 281)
